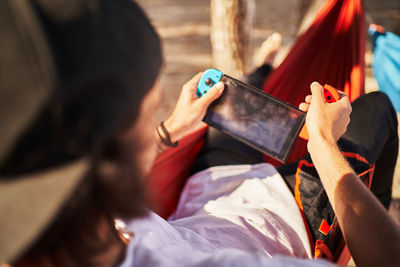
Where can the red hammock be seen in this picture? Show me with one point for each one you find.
(331, 51)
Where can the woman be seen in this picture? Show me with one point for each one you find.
(108, 60)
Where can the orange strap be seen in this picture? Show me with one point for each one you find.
(320, 247)
(356, 156)
(322, 251)
(371, 169)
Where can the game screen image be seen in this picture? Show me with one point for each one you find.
(255, 118)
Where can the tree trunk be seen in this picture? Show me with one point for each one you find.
(231, 35)
(308, 11)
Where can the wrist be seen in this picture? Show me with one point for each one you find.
(164, 138)
(319, 141)
(174, 129)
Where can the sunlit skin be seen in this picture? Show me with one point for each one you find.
(190, 109)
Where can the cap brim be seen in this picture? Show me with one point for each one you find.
(29, 203)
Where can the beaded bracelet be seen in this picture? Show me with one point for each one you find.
(167, 139)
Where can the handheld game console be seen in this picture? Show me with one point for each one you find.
(254, 117)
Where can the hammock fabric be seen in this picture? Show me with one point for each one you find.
(330, 52)
(386, 64)
(170, 171)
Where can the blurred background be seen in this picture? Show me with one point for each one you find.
(185, 27)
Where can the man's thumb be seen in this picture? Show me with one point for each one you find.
(213, 93)
(317, 92)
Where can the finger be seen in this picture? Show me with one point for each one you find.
(304, 107)
(345, 102)
(196, 78)
(344, 99)
(191, 85)
(317, 92)
(308, 99)
(212, 94)
(341, 93)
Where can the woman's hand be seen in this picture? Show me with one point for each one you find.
(190, 109)
(325, 120)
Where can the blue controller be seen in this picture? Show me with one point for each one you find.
(208, 79)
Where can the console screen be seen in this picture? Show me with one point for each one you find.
(255, 118)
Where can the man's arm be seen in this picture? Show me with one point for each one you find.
(372, 235)
(188, 112)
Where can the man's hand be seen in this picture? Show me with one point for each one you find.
(325, 120)
(190, 110)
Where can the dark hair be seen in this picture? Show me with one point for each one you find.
(107, 57)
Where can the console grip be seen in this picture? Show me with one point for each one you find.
(331, 95)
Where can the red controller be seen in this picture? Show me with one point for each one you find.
(331, 95)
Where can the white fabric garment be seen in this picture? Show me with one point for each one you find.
(242, 215)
